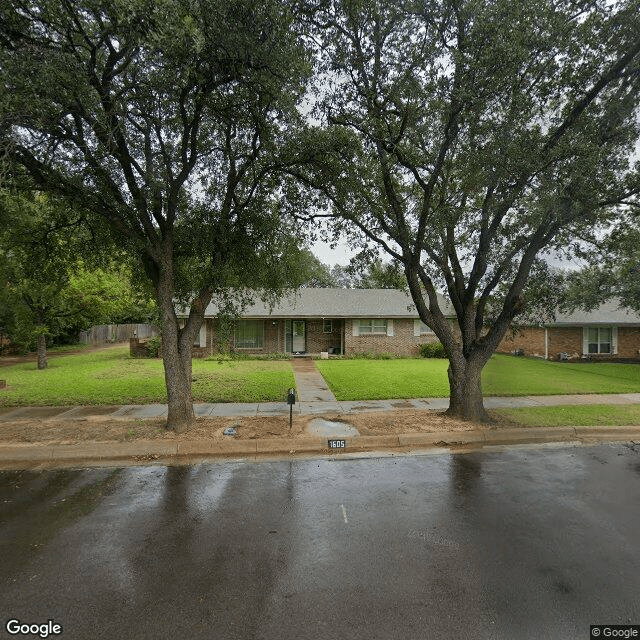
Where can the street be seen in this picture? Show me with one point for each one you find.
(521, 543)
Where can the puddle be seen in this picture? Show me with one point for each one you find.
(322, 427)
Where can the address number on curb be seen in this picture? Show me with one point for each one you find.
(337, 444)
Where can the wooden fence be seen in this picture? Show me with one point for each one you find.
(108, 333)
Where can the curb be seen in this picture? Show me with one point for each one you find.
(145, 450)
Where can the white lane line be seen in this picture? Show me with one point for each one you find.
(344, 514)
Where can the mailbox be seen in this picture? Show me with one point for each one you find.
(291, 396)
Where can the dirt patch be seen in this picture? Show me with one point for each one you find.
(99, 428)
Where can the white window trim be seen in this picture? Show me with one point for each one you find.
(585, 340)
(419, 331)
(203, 334)
(330, 324)
(357, 328)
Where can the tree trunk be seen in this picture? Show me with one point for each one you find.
(465, 389)
(176, 358)
(176, 352)
(42, 351)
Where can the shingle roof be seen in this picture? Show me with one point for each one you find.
(337, 303)
(607, 313)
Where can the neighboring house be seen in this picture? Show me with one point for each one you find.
(337, 321)
(350, 321)
(606, 333)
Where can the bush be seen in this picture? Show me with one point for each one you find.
(432, 350)
(370, 355)
(153, 346)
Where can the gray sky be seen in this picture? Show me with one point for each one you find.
(340, 255)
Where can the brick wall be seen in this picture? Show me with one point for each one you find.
(629, 342)
(138, 348)
(568, 340)
(403, 342)
(565, 340)
(318, 340)
(530, 340)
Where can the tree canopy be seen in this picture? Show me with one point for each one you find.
(464, 138)
(58, 277)
(165, 118)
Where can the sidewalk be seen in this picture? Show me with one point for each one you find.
(267, 409)
(43, 455)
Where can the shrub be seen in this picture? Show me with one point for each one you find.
(153, 346)
(432, 350)
(275, 356)
(370, 355)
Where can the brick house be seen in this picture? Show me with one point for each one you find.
(336, 321)
(606, 333)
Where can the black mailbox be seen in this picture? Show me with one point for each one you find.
(291, 396)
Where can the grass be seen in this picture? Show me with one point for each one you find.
(573, 415)
(511, 376)
(112, 377)
(503, 376)
(383, 379)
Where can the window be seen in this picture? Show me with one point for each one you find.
(599, 340)
(374, 325)
(424, 329)
(249, 334)
(327, 326)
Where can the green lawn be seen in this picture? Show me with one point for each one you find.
(112, 377)
(574, 415)
(382, 379)
(503, 376)
(511, 376)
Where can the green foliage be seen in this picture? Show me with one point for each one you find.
(153, 346)
(466, 138)
(166, 120)
(59, 281)
(611, 270)
(376, 274)
(432, 350)
(239, 355)
(370, 355)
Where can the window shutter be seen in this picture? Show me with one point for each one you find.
(390, 327)
(614, 340)
(203, 334)
(585, 340)
(356, 327)
(416, 327)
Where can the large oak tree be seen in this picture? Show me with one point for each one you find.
(465, 138)
(165, 118)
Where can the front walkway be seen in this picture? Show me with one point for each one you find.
(309, 382)
(224, 409)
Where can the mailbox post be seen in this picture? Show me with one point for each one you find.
(291, 400)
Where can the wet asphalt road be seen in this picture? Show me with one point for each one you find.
(523, 543)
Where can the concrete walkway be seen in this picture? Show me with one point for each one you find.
(183, 451)
(310, 383)
(230, 409)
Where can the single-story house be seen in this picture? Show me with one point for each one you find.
(350, 321)
(606, 333)
(336, 321)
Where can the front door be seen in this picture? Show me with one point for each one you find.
(298, 338)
